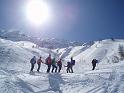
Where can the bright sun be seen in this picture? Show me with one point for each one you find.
(37, 11)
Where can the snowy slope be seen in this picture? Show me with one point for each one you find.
(15, 78)
(18, 54)
(106, 52)
(71, 51)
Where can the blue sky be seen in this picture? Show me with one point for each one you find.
(80, 20)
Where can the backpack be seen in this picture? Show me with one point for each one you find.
(97, 61)
(48, 61)
(73, 62)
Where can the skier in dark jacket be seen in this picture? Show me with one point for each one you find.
(48, 63)
(68, 67)
(39, 61)
(59, 63)
(54, 65)
(72, 64)
(94, 61)
(32, 61)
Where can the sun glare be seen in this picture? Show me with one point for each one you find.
(37, 12)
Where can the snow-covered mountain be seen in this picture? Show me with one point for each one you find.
(52, 43)
(14, 35)
(107, 78)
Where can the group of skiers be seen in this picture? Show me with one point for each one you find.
(33, 62)
(56, 65)
(52, 62)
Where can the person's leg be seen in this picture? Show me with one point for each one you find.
(59, 68)
(38, 67)
(52, 68)
(68, 71)
(48, 70)
(94, 67)
(71, 68)
(32, 67)
(55, 68)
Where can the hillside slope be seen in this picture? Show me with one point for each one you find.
(15, 77)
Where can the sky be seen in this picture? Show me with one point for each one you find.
(75, 20)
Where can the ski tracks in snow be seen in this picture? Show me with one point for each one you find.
(89, 82)
(112, 84)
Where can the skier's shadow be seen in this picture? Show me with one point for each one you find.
(55, 80)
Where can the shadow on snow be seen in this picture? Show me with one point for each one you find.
(55, 80)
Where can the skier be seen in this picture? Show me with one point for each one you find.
(72, 64)
(39, 61)
(32, 61)
(54, 65)
(48, 63)
(59, 63)
(94, 61)
(68, 67)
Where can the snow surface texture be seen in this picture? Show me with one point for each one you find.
(15, 66)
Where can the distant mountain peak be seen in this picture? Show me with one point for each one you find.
(16, 35)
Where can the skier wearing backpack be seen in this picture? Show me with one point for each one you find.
(32, 61)
(72, 64)
(59, 63)
(94, 61)
(39, 61)
(48, 63)
(68, 67)
(54, 65)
